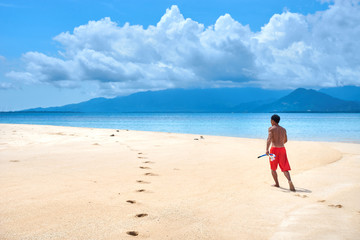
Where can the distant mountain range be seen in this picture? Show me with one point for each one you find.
(223, 100)
(303, 100)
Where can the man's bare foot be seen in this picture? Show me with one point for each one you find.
(275, 185)
(291, 185)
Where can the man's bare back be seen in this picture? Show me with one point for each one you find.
(277, 136)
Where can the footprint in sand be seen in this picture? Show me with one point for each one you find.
(150, 174)
(14, 161)
(321, 200)
(141, 181)
(141, 215)
(142, 157)
(132, 233)
(148, 162)
(335, 206)
(144, 167)
(131, 201)
(302, 196)
(141, 190)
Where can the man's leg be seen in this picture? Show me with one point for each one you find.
(274, 174)
(291, 185)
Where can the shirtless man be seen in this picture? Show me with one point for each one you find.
(277, 138)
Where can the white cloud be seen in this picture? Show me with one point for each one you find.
(2, 58)
(5, 85)
(292, 50)
(297, 50)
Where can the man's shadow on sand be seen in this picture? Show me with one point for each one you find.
(298, 189)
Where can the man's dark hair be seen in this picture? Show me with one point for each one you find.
(276, 118)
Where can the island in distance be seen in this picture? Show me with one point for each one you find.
(340, 99)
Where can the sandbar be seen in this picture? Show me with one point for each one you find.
(86, 183)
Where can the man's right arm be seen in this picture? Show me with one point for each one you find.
(268, 142)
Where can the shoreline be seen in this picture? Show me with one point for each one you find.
(194, 134)
(91, 183)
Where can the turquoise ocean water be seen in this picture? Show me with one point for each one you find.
(344, 127)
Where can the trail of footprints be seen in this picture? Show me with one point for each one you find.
(322, 201)
(141, 215)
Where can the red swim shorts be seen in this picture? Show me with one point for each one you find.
(280, 159)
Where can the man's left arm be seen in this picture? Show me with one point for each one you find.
(285, 139)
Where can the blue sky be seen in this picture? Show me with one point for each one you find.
(50, 54)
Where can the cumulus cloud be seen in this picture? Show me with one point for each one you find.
(291, 50)
(318, 50)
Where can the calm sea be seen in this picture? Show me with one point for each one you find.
(344, 127)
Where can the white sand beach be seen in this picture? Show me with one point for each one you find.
(82, 183)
